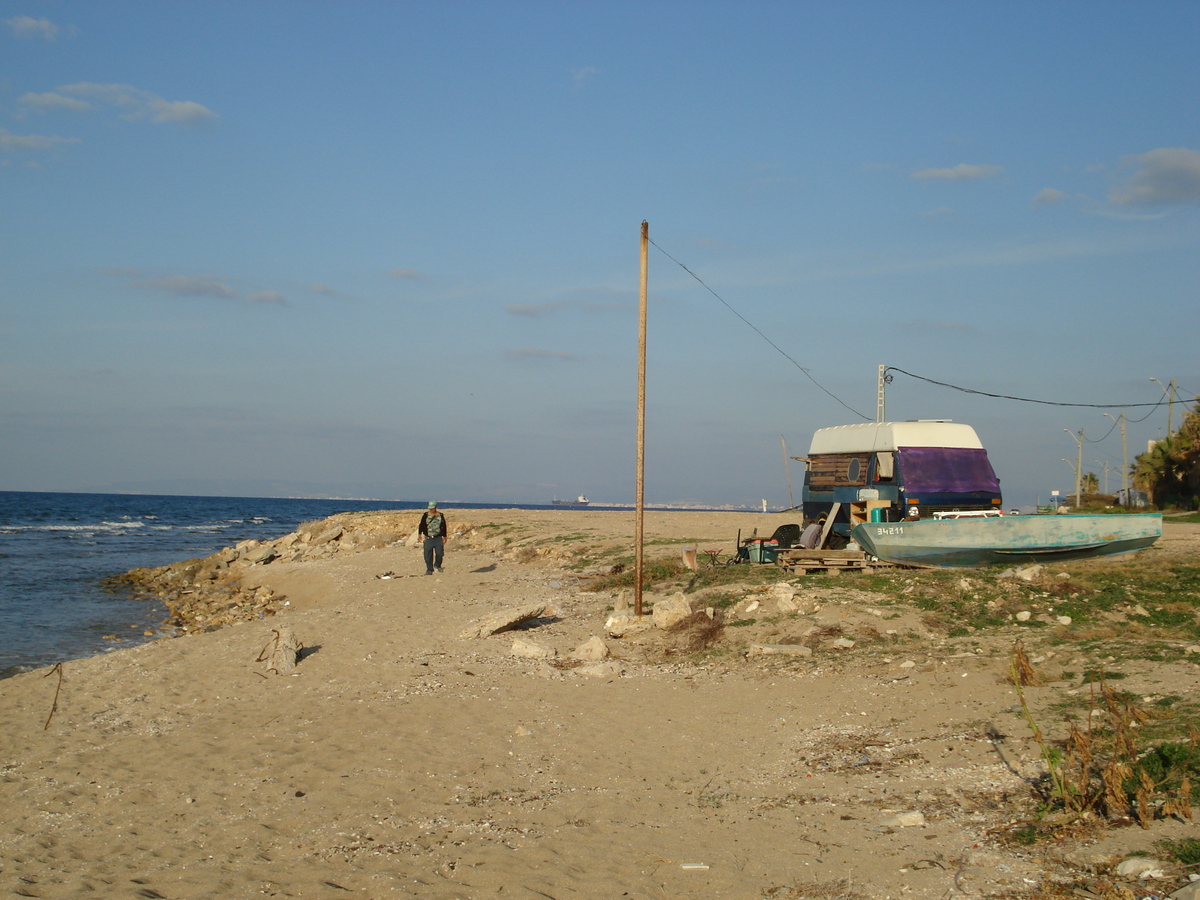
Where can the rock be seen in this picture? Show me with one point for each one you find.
(1187, 892)
(622, 624)
(908, 664)
(1024, 615)
(1142, 867)
(593, 648)
(329, 534)
(778, 650)
(904, 820)
(1063, 576)
(503, 620)
(789, 606)
(1063, 620)
(842, 643)
(545, 670)
(671, 611)
(782, 591)
(1193, 648)
(1030, 573)
(260, 555)
(282, 652)
(607, 669)
(527, 649)
(412, 540)
(622, 601)
(1140, 610)
(751, 607)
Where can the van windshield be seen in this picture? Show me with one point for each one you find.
(946, 470)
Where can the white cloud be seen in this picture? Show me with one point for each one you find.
(53, 102)
(585, 76)
(1049, 196)
(325, 290)
(267, 297)
(1167, 175)
(29, 27)
(405, 274)
(10, 141)
(185, 112)
(190, 286)
(140, 104)
(961, 172)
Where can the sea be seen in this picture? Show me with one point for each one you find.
(57, 550)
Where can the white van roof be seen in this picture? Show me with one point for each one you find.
(871, 437)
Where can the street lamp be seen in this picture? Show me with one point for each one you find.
(1124, 459)
(1078, 467)
(1170, 404)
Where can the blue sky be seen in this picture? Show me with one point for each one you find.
(390, 250)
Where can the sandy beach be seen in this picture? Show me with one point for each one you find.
(403, 759)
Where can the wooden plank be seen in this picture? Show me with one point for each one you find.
(833, 511)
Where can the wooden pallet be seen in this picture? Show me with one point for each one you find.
(832, 561)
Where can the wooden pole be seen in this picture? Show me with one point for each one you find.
(641, 428)
(787, 469)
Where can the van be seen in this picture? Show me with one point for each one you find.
(895, 471)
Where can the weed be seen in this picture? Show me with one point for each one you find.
(1100, 768)
(1097, 676)
(1185, 851)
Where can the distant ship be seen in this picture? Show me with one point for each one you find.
(578, 501)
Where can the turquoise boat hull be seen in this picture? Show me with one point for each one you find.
(1005, 540)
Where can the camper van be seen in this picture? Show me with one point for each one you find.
(897, 471)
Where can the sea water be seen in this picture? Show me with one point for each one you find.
(57, 550)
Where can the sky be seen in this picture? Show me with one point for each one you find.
(390, 250)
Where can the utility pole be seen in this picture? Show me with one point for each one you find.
(641, 427)
(1124, 458)
(1078, 467)
(1170, 404)
(1104, 463)
(879, 394)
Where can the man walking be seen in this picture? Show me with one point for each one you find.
(433, 529)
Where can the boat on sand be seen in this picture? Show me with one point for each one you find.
(1000, 540)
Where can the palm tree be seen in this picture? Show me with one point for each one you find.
(1170, 470)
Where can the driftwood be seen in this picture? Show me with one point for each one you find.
(282, 651)
(504, 620)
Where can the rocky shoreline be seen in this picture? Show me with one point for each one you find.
(208, 593)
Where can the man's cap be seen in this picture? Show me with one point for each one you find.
(433, 504)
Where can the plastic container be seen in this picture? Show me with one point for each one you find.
(762, 551)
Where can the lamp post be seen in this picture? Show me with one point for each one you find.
(1124, 459)
(1170, 404)
(1078, 467)
(1072, 465)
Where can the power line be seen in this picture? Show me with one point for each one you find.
(955, 387)
(783, 353)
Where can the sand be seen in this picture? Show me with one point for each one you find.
(402, 760)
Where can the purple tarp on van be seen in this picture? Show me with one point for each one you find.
(946, 470)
